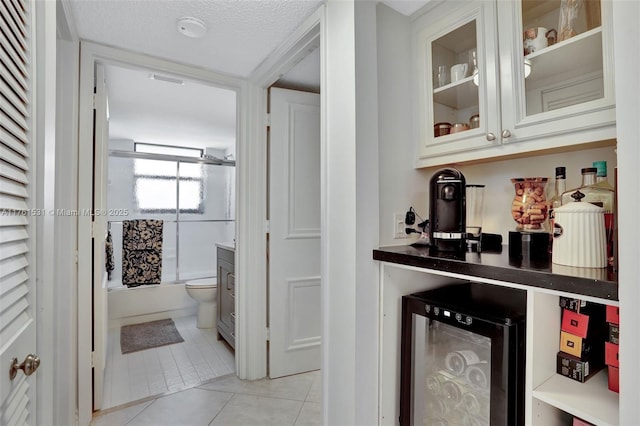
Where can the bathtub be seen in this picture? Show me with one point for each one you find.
(149, 303)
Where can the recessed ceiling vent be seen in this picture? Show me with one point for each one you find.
(166, 78)
(191, 27)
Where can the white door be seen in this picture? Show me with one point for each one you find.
(100, 312)
(294, 236)
(18, 313)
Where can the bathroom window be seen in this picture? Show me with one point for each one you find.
(160, 186)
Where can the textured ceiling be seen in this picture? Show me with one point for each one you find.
(240, 33)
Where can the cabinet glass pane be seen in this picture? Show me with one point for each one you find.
(455, 95)
(562, 53)
(452, 380)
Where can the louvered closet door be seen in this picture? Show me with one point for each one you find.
(17, 221)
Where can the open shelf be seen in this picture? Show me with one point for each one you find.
(591, 401)
(459, 95)
(582, 52)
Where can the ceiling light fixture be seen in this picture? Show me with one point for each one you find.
(191, 27)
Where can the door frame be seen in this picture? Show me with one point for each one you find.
(90, 54)
(251, 303)
(42, 124)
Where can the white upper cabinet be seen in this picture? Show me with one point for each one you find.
(511, 78)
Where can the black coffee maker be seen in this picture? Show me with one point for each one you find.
(447, 210)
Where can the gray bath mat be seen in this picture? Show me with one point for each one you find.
(138, 337)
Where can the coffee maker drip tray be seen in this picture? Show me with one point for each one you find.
(448, 235)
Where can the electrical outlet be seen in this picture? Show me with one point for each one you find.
(399, 226)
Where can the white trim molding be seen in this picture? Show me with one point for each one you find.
(90, 54)
(251, 258)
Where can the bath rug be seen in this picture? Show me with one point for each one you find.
(138, 337)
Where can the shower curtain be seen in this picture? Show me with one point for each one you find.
(141, 252)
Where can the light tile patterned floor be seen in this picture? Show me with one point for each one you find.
(131, 377)
(228, 401)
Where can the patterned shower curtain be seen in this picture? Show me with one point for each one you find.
(141, 252)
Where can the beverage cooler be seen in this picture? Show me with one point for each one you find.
(463, 356)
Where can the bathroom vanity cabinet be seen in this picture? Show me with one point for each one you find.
(226, 294)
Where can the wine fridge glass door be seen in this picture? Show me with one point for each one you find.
(452, 375)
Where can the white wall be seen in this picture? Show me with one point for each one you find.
(65, 234)
(367, 184)
(339, 224)
(401, 185)
(626, 32)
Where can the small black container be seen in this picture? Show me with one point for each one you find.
(529, 246)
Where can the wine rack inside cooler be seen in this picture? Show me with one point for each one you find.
(454, 378)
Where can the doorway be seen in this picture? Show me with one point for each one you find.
(251, 356)
(295, 67)
(153, 106)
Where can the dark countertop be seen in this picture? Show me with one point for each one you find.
(594, 282)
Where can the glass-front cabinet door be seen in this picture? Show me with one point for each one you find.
(498, 78)
(458, 88)
(559, 79)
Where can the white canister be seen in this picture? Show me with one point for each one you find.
(579, 237)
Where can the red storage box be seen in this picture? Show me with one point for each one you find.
(575, 323)
(580, 422)
(614, 379)
(611, 354)
(613, 314)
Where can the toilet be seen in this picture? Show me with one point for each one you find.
(204, 292)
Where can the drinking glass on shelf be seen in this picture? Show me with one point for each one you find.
(443, 75)
(473, 60)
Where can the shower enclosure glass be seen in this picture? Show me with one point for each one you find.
(194, 197)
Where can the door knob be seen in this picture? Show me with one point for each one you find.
(491, 137)
(29, 366)
(506, 134)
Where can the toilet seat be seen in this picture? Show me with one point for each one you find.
(200, 285)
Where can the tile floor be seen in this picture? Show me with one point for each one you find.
(292, 400)
(132, 377)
